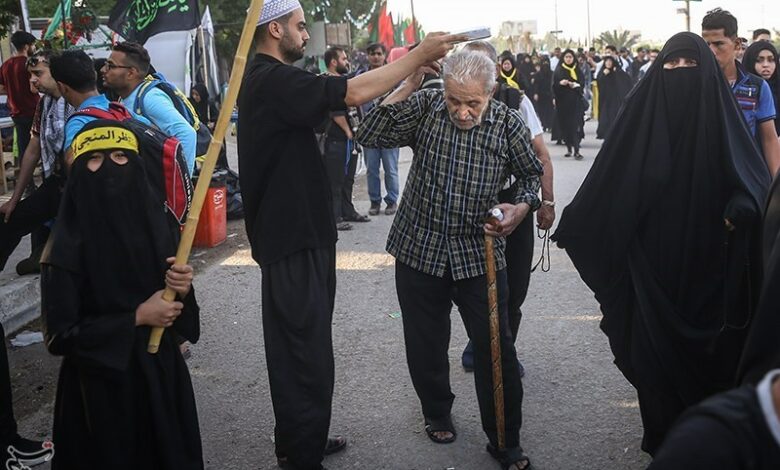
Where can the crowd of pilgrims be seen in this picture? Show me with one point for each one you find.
(656, 277)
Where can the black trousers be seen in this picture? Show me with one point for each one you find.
(519, 254)
(29, 216)
(426, 303)
(298, 296)
(7, 421)
(347, 208)
(335, 161)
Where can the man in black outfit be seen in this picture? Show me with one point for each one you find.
(341, 156)
(289, 218)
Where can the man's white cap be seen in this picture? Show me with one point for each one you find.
(275, 9)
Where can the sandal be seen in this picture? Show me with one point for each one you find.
(444, 424)
(357, 218)
(334, 444)
(511, 459)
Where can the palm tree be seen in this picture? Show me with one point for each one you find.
(618, 39)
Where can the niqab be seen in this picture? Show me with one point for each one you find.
(646, 232)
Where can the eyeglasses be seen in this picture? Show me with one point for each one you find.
(112, 66)
(35, 60)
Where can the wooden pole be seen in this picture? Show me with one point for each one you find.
(495, 342)
(188, 235)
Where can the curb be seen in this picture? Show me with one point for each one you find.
(20, 301)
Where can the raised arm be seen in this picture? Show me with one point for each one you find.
(375, 83)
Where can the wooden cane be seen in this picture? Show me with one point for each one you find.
(495, 336)
(188, 235)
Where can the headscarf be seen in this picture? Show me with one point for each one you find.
(202, 107)
(749, 61)
(571, 69)
(112, 229)
(510, 78)
(646, 229)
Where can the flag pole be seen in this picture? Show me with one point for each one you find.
(188, 235)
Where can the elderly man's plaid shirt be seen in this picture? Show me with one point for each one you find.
(454, 180)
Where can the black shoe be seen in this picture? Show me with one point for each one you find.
(27, 452)
(567, 155)
(28, 266)
(374, 209)
(391, 209)
(578, 156)
(467, 359)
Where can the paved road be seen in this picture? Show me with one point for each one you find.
(579, 411)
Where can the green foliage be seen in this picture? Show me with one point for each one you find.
(9, 11)
(46, 8)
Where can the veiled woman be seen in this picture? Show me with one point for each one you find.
(569, 102)
(103, 272)
(663, 231)
(761, 59)
(614, 85)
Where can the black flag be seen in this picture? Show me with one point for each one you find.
(138, 20)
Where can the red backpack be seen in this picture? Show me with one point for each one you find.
(163, 156)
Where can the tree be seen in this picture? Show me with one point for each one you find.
(618, 39)
(9, 11)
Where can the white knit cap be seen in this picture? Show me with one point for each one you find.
(275, 9)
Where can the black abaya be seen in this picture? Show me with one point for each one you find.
(749, 61)
(543, 96)
(569, 106)
(614, 86)
(646, 232)
(117, 406)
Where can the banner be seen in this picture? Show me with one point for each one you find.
(138, 20)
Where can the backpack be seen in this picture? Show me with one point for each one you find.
(162, 155)
(182, 105)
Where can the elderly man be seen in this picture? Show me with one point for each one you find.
(466, 146)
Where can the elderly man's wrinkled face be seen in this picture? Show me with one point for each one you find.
(466, 103)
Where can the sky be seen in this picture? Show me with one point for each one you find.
(656, 19)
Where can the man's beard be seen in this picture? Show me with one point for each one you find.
(342, 69)
(290, 51)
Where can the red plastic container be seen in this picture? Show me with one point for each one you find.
(212, 226)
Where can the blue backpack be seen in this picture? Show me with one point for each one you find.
(182, 105)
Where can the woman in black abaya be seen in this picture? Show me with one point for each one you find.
(569, 102)
(102, 276)
(761, 59)
(614, 85)
(542, 94)
(663, 231)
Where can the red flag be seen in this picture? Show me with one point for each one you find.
(385, 33)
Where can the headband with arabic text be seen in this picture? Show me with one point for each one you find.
(104, 138)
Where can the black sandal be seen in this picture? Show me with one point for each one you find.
(510, 459)
(444, 424)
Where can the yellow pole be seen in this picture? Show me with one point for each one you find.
(188, 235)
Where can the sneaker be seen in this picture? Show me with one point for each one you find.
(374, 209)
(26, 452)
(391, 209)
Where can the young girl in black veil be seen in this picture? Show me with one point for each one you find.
(664, 231)
(761, 59)
(103, 274)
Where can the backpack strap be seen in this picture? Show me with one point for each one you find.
(757, 82)
(179, 100)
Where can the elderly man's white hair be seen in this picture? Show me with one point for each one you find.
(466, 67)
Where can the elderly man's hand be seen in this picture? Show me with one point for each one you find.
(513, 215)
(545, 217)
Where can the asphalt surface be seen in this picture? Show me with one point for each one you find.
(579, 412)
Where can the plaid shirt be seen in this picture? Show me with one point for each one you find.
(454, 180)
